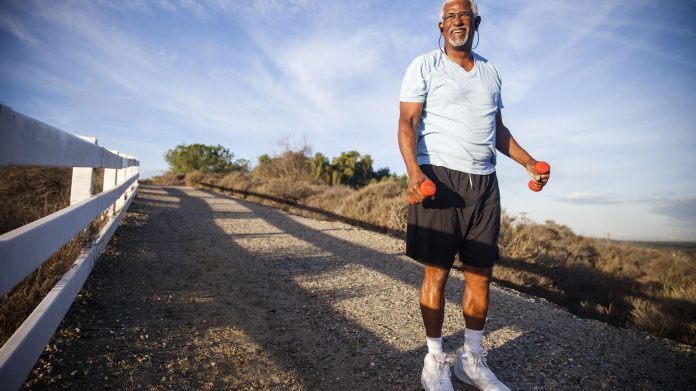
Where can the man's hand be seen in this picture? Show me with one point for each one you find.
(539, 179)
(413, 193)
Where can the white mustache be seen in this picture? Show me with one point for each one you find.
(463, 41)
(466, 29)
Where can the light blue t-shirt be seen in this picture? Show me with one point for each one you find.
(457, 124)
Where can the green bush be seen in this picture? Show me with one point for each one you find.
(204, 158)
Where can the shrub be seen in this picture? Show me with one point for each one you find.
(290, 164)
(204, 158)
(192, 178)
(381, 203)
(169, 179)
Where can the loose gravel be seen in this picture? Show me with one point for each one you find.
(201, 291)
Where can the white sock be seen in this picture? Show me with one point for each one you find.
(434, 345)
(472, 340)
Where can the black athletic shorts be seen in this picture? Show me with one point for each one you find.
(463, 217)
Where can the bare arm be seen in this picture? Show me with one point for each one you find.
(409, 115)
(507, 144)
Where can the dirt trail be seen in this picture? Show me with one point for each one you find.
(199, 291)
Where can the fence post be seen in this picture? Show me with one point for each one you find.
(110, 182)
(120, 178)
(127, 172)
(81, 184)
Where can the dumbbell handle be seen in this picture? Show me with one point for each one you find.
(541, 168)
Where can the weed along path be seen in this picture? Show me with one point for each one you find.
(200, 291)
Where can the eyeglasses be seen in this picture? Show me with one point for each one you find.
(459, 15)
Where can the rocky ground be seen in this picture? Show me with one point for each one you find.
(199, 291)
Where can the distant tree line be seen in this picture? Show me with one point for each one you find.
(208, 159)
(349, 168)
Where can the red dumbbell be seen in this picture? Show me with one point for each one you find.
(427, 188)
(542, 168)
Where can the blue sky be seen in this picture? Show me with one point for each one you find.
(605, 91)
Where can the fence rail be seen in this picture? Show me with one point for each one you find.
(25, 141)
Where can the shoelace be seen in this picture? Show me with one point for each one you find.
(443, 362)
(482, 366)
(441, 366)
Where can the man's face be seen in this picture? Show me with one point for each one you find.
(457, 23)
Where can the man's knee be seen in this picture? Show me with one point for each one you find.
(477, 275)
(435, 277)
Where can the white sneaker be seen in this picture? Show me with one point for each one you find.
(436, 374)
(471, 368)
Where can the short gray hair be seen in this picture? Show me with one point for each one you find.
(474, 8)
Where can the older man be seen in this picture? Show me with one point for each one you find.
(450, 126)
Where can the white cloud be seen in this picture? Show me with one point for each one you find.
(680, 209)
(18, 29)
(589, 198)
(527, 51)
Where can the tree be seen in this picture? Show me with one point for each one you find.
(351, 169)
(381, 173)
(204, 158)
(321, 169)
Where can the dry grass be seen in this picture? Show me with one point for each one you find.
(380, 203)
(169, 179)
(650, 288)
(28, 194)
(671, 313)
(620, 283)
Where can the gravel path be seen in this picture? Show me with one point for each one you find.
(200, 291)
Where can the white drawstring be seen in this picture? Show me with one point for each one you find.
(470, 182)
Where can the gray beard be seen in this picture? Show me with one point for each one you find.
(460, 43)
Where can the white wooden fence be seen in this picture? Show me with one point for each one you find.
(27, 142)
